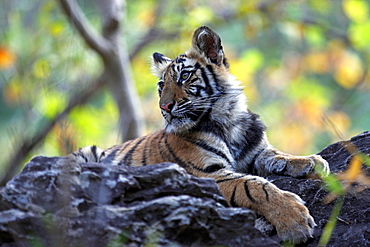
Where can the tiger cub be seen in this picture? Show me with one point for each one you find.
(210, 133)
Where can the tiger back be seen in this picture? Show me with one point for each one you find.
(210, 132)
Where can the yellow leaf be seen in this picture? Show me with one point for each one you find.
(356, 10)
(7, 58)
(147, 16)
(354, 169)
(349, 70)
(51, 103)
(56, 28)
(245, 75)
(291, 137)
(314, 36)
(253, 60)
(308, 110)
(359, 34)
(317, 62)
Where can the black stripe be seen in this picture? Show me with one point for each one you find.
(247, 191)
(101, 156)
(143, 159)
(180, 59)
(82, 155)
(177, 159)
(219, 87)
(206, 81)
(199, 89)
(253, 135)
(154, 140)
(229, 179)
(188, 66)
(128, 157)
(256, 155)
(213, 168)
(205, 146)
(159, 58)
(227, 174)
(232, 199)
(111, 156)
(93, 150)
(266, 193)
(180, 162)
(194, 80)
(210, 169)
(212, 127)
(123, 146)
(160, 147)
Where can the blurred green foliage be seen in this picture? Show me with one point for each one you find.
(304, 65)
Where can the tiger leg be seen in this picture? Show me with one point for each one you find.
(273, 161)
(88, 154)
(283, 209)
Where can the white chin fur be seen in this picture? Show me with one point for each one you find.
(177, 126)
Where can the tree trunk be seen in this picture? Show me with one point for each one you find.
(115, 56)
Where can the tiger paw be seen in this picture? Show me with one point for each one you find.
(292, 219)
(319, 167)
(300, 166)
(312, 166)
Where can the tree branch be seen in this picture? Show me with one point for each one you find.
(29, 144)
(75, 14)
(111, 11)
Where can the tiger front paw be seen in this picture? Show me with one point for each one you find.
(312, 166)
(300, 166)
(292, 219)
(320, 167)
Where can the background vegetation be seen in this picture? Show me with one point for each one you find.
(304, 65)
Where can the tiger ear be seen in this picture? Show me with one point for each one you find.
(208, 43)
(159, 64)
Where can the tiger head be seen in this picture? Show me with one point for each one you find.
(197, 87)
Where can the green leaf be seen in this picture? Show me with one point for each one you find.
(51, 103)
(359, 34)
(333, 184)
(329, 227)
(356, 10)
(253, 58)
(41, 69)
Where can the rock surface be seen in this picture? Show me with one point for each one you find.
(56, 202)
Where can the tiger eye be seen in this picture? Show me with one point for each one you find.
(185, 75)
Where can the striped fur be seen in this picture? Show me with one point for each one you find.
(210, 132)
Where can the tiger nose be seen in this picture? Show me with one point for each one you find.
(167, 107)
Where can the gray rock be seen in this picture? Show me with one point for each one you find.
(56, 202)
